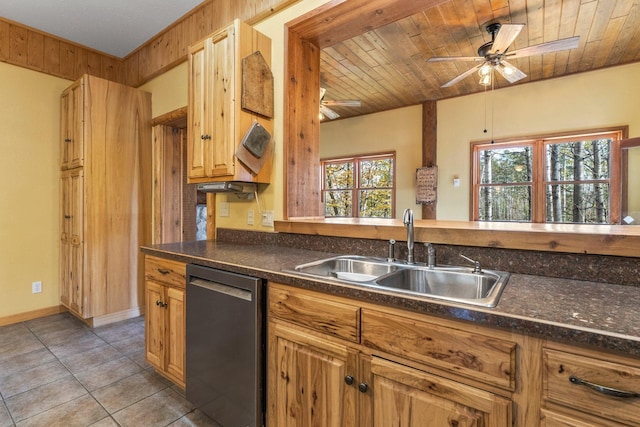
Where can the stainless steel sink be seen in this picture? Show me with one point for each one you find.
(450, 283)
(482, 289)
(350, 268)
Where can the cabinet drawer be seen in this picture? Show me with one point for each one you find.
(484, 358)
(561, 367)
(321, 314)
(165, 271)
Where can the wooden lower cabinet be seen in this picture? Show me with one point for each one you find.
(165, 326)
(311, 387)
(589, 388)
(317, 378)
(404, 396)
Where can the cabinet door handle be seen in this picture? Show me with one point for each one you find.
(349, 380)
(67, 217)
(67, 140)
(363, 387)
(205, 136)
(163, 271)
(604, 389)
(158, 302)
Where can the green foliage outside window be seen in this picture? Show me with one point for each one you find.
(359, 186)
(575, 181)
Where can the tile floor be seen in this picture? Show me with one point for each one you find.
(55, 371)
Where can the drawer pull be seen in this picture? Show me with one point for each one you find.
(163, 271)
(604, 389)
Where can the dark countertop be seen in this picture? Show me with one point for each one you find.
(570, 311)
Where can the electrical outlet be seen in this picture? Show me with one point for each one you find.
(250, 217)
(224, 208)
(267, 218)
(36, 287)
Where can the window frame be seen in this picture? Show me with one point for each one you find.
(539, 181)
(355, 191)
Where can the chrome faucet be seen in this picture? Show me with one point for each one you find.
(408, 221)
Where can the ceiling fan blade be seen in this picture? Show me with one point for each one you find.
(342, 103)
(506, 35)
(328, 112)
(462, 76)
(454, 58)
(549, 47)
(509, 72)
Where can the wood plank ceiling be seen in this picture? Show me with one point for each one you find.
(386, 68)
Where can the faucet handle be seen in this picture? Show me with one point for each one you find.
(476, 264)
(431, 255)
(390, 255)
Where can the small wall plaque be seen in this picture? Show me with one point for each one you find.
(426, 185)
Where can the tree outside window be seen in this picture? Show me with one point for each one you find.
(360, 186)
(566, 179)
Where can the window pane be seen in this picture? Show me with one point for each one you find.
(376, 173)
(337, 203)
(577, 161)
(338, 175)
(375, 203)
(505, 165)
(578, 203)
(505, 203)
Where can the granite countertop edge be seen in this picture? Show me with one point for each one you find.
(563, 310)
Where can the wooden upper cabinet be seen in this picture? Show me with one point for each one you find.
(71, 126)
(216, 121)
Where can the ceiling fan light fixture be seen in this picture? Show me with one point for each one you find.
(507, 69)
(485, 70)
(485, 80)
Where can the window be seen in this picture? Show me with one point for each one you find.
(361, 186)
(564, 179)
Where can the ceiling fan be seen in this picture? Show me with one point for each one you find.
(493, 54)
(327, 112)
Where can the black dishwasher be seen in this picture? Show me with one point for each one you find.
(225, 373)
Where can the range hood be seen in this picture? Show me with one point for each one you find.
(228, 187)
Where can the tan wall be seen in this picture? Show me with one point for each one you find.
(29, 198)
(601, 98)
(168, 91)
(397, 130)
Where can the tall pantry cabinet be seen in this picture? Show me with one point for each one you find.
(105, 161)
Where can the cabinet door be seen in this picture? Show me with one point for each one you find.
(76, 274)
(308, 381)
(199, 109)
(175, 338)
(65, 238)
(221, 150)
(404, 396)
(154, 324)
(71, 241)
(71, 126)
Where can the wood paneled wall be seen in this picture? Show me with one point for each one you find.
(29, 48)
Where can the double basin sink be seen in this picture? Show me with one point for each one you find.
(452, 283)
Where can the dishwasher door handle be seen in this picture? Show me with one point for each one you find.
(223, 289)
